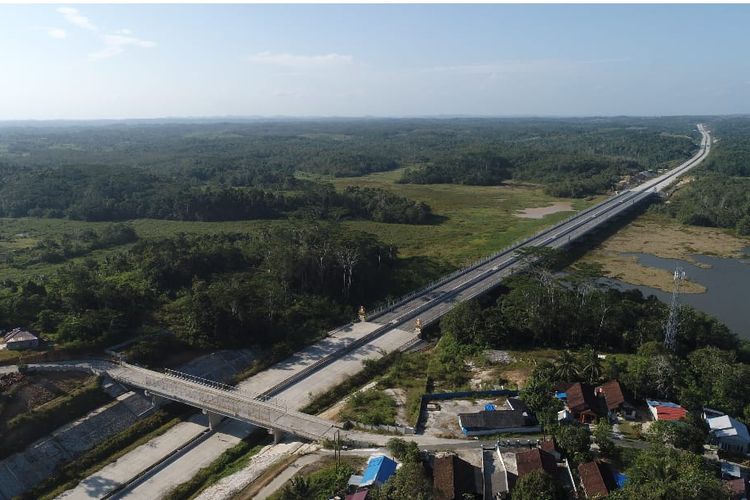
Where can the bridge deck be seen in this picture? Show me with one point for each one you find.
(229, 402)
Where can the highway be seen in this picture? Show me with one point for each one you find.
(433, 301)
(328, 362)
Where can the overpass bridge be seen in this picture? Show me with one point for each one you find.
(319, 366)
(220, 400)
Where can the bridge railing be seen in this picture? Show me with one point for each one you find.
(277, 402)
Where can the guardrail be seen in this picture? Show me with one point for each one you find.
(219, 398)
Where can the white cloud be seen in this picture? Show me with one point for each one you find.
(300, 61)
(58, 33)
(74, 17)
(116, 44)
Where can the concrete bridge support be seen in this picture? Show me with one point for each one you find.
(214, 419)
(156, 400)
(277, 434)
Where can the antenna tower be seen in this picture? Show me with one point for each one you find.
(670, 328)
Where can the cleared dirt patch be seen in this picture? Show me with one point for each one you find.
(541, 212)
(33, 391)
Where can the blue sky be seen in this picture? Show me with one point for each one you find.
(140, 61)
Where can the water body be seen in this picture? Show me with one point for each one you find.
(727, 283)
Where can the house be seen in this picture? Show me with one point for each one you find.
(18, 339)
(664, 410)
(454, 477)
(358, 495)
(379, 470)
(597, 479)
(513, 416)
(550, 447)
(583, 403)
(729, 434)
(614, 400)
(737, 489)
(504, 471)
(535, 459)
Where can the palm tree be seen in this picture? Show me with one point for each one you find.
(591, 366)
(566, 367)
(299, 488)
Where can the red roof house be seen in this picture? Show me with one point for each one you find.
(664, 410)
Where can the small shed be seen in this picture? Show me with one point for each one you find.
(666, 410)
(18, 339)
(379, 470)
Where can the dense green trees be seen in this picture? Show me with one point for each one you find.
(720, 194)
(537, 485)
(481, 168)
(714, 200)
(213, 290)
(664, 473)
(572, 161)
(574, 310)
(233, 171)
(119, 193)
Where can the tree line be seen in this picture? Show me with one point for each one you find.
(119, 193)
(719, 196)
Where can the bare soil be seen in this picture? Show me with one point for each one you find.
(541, 212)
(38, 389)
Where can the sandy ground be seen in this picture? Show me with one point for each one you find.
(663, 237)
(231, 485)
(541, 212)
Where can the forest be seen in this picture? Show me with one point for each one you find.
(280, 286)
(286, 283)
(210, 171)
(720, 194)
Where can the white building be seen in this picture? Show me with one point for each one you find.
(730, 434)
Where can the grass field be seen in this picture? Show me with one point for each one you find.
(473, 221)
(478, 220)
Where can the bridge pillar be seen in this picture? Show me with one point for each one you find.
(278, 435)
(156, 400)
(214, 419)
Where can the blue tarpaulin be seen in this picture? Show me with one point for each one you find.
(620, 479)
(489, 407)
(561, 395)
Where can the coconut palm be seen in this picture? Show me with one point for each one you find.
(590, 366)
(566, 367)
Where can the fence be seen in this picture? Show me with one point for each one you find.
(394, 429)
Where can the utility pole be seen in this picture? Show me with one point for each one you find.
(670, 328)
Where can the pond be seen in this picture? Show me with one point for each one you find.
(727, 283)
